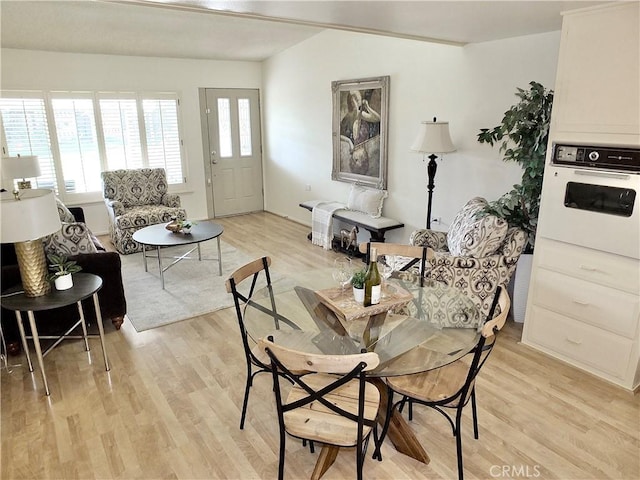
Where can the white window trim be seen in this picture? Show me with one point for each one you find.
(95, 96)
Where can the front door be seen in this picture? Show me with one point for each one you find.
(233, 151)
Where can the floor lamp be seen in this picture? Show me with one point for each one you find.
(433, 138)
(26, 217)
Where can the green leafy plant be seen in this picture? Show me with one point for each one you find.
(523, 136)
(357, 281)
(186, 224)
(60, 265)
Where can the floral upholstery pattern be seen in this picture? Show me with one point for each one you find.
(477, 276)
(474, 236)
(72, 239)
(437, 305)
(64, 213)
(136, 199)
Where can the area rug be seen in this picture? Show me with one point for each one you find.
(192, 287)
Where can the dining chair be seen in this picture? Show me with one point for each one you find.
(453, 385)
(255, 358)
(330, 401)
(411, 254)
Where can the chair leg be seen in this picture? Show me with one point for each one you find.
(359, 461)
(281, 458)
(459, 443)
(246, 397)
(377, 453)
(475, 413)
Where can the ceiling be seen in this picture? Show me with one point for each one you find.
(256, 30)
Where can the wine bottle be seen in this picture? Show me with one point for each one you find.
(372, 281)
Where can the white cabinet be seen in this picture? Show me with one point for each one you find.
(584, 298)
(584, 308)
(598, 82)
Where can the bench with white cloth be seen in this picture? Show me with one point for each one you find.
(377, 227)
(322, 223)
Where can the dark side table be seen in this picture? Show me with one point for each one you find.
(84, 286)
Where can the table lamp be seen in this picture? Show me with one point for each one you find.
(21, 167)
(26, 218)
(432, 138)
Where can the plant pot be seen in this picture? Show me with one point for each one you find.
(64, 282)
(521, 287)
(186, 230)
(358, 294)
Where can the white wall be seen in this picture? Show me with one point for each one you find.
(470, 87)
(36, 70)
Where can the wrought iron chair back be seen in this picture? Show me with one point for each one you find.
(253, 358)
(326, 388)
(415, 255)
(453, 385)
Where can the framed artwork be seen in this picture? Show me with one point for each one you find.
(360, 131)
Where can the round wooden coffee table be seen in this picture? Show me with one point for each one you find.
(157, 236)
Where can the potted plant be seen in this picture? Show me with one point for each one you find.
(523, 133)
(187, 225)
(61, 269)
(357, 282)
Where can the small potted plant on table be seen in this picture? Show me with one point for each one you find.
(61, 269)
(357, 282)
(187, 225)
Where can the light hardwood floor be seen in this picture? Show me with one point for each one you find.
(170, 406)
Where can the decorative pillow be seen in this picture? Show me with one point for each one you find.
(71, 239)
(64, 213)
(366, 200)
(471, 235)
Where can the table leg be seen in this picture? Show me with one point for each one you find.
(219, 256)
(399, 432)
(84, 326)
(36, 343)
(144, 257)
(96, 304)
(23, 337)
(160, 268)
(326, 458)
(372, 330)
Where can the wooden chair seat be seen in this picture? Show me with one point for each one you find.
(434, 385)
(316, 422)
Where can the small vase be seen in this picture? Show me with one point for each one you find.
(358, 294)
(186, 230)
(64, 282)
(173, 226)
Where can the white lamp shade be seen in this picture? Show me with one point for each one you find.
(433, 137)
(20, 167)
(32, 217)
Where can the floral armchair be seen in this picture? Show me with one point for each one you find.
(136, 199)
(476, 255)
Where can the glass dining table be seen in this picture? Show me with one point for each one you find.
(419, 325)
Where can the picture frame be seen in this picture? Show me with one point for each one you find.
(360, 131)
